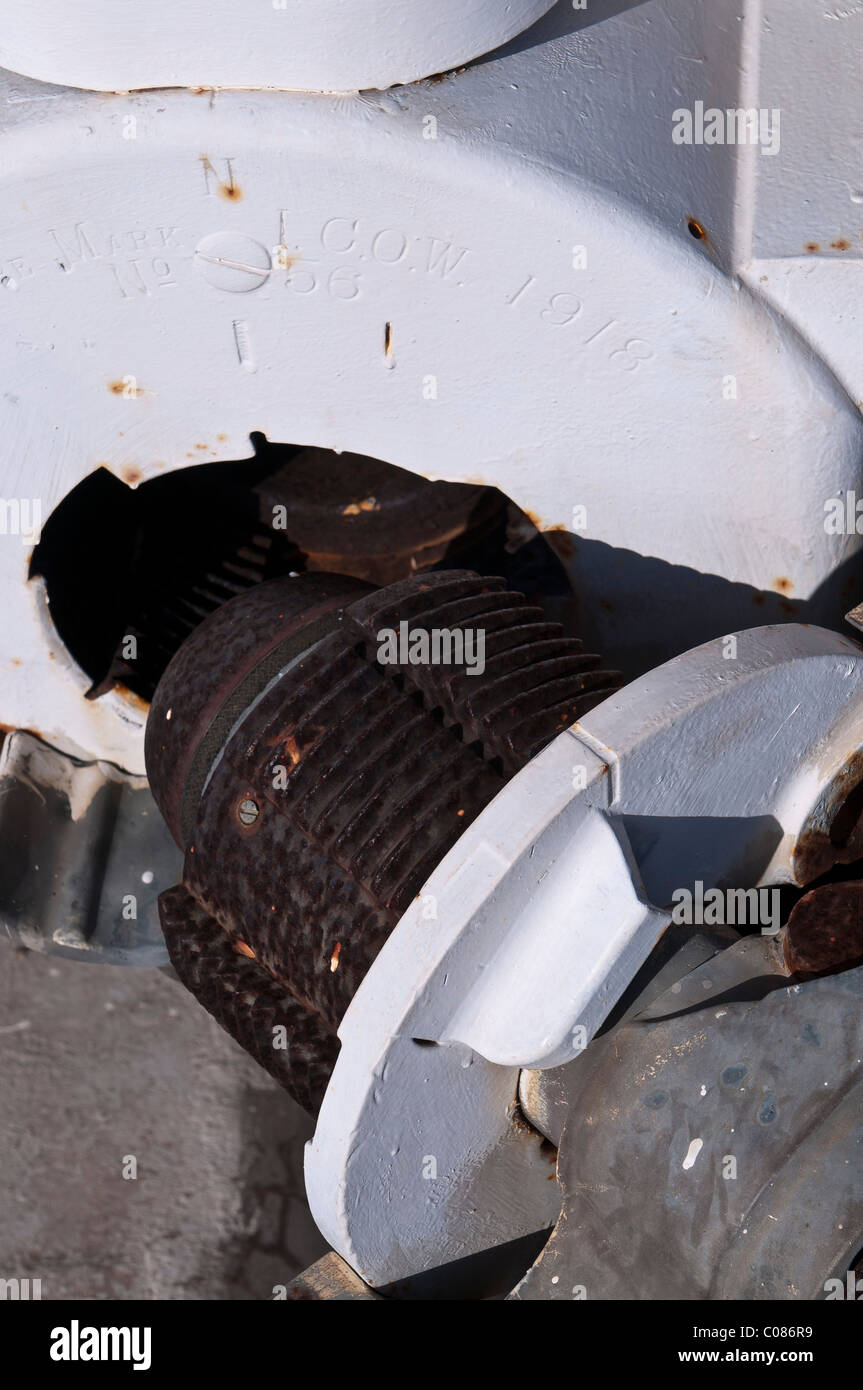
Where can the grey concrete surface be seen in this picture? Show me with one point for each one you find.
(98, 1063)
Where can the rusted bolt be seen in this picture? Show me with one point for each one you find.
(248, 811)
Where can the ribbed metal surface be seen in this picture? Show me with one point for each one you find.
(364, 775)
(281, 1034)
(212, 664)
(239, 558)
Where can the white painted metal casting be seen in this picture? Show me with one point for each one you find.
(515, 275)
(523, 939)
(310, 45)
(178, 269)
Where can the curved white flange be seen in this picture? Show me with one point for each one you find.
(487, 968)
(305, 45)
(528, 932)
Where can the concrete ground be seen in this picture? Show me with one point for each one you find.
(100, 1063)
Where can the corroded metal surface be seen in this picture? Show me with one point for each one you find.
(327, 804)
(350, 514)
(212, 664)
(283, 1036)
(825, 930)
(193, 540)
(367, 774)
(834, 834)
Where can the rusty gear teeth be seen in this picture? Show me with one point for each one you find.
(247, 1002)
(365, 774)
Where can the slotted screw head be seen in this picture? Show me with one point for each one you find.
(248, 811)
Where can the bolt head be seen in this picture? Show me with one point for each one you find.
(248, 811)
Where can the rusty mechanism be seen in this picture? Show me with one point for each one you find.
(350, 514)
(181, 545)
(314, 787)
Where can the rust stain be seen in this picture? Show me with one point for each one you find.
(834, 832)
(812, 247)
(122, 388)
(132, 476)
(293, 752)
(557, 534)
(696, 229)
(226, 189)
(221, 438)
(130, 698)
(368, 504)
(243, 950)
(285, 258)
(520, 1124)
(334, 958)
(825, 930)
(562, 543)
(783, 585)
(842, 244)
(439, 77)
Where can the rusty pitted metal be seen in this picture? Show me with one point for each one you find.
(364, 773)
(207, 670)
(825, 930)
(356, 515)
(282, 1035)
(834, 833)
